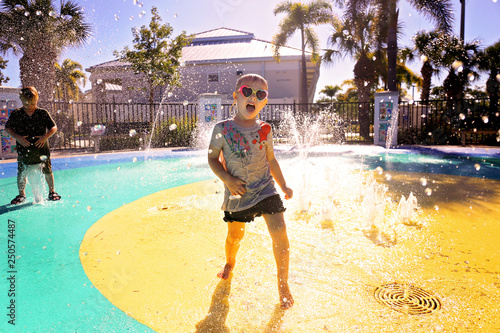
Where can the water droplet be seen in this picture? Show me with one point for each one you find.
(185, 103)
(436, 207)
(117, 17)
(379, 170)
(461, 116)
(374, 58)
(388, 177)
(140, 4)
(132, 133)
(43, 158)
(99, 81)
(58, 111)
(471, 77)
(26, 13)
(118, 169)
(428, 191)
(424, 58)
(498, 77)
(44, 247)
(172, 127)
(423, 181)
(366, 83)
(485, 119)
(130, 101)
(477, 166)
(141, 14)
(89, 208)
(38, 12)
(170, 94)
(135, 2)
(176, 15)
(79, 123)
(52, 13)
(131, 18)
(118, 252)
(70, 101)
(218, 136)
(210, 151)
(134, 159)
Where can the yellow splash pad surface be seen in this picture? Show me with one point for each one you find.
(157, 259)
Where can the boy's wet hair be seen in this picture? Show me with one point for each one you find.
(29, 94)
(250, 78)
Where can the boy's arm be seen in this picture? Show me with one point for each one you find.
(20, 139)
(235, 185)
(42, 139)
(278, 175)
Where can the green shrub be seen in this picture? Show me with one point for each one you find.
(180, 135)
(117, 143)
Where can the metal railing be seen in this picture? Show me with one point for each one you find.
(130, 125)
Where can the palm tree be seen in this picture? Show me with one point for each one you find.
(3, 65)
(39, 32)
(330, 91)
(301, 17)
(489, 61)
(68, 76)
(354, 37)
(387, 13)
(461, 58)
(424, 45)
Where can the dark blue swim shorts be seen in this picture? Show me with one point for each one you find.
(270, 205)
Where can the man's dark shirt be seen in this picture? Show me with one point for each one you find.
(32, 126)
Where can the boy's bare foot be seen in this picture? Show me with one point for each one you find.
(286, 298)
(225, 272)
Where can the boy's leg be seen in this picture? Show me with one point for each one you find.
(49, 178)
(281, 249)
(235, 233)
(21, 178)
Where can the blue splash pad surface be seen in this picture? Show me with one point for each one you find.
(53, 294)
(52, 291)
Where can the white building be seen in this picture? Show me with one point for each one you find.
(212, 64)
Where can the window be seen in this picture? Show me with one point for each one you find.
(213, 77)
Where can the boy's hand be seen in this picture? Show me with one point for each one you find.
(236, 186)
(288, 192)
(23, 140)
(41, 141)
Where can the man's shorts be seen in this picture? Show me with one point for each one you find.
(46, 167)
(270, 205)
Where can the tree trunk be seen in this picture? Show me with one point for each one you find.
(492, 89)
(37, 69)
(303, 75)
(426, 72)
(392, 47)
(364, 78)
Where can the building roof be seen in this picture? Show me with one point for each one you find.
(221, 45)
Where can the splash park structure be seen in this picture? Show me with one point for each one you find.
(399, 240)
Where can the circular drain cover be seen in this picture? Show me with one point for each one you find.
(407, 299)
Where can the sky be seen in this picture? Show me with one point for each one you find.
(113, 20)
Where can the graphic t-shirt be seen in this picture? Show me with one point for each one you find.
(32, 126)
(244, 151)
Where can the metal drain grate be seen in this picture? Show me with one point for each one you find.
(407, 299)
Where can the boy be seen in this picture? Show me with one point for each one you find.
(32, 127)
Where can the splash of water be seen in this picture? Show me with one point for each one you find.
(35, 179)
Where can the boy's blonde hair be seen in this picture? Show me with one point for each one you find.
(250, 78)
(29, 94)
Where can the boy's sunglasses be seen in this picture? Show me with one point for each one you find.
(259, 93)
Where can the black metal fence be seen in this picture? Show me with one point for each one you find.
(131, 125)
